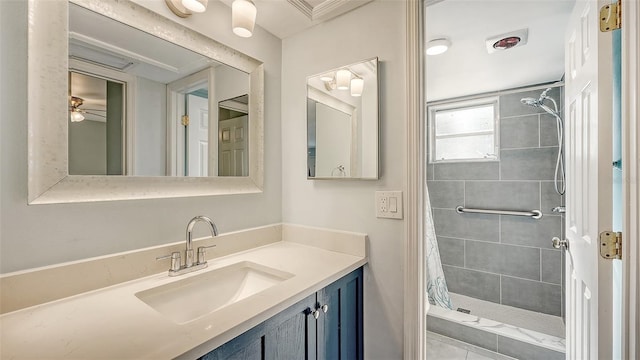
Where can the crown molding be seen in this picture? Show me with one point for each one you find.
(327, 9)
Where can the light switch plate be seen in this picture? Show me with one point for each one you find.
(389, 204)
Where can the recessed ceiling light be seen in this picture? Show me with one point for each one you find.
(438, 46)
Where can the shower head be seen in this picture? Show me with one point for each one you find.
(530, 101)
(537, 102)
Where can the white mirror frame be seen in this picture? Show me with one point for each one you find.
(49, 180)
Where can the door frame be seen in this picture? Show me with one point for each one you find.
(129, 111)
(176, 91)
(631, 177)
(415, 308)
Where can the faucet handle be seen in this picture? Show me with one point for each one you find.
(202, 250)
(175, 260)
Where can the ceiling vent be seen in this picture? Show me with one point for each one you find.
(507, 41)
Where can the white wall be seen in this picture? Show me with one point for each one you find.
(151, 128)
(376, 29)
(230, 83)
(88, 148)
(39, 235)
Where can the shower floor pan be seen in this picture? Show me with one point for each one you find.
(502, 329)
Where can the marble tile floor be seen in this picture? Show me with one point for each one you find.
(444, 348)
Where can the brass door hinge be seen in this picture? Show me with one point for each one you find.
(611, 17)
(611, 245)
(185, 120)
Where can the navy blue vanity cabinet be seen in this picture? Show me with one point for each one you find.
(340, 324)
(283, 336)
(326, 325)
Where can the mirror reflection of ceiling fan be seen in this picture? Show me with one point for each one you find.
(77, 114)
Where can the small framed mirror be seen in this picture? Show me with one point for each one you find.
(343, 122)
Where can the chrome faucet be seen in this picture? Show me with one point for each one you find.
(189, 264)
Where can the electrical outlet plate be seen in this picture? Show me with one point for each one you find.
(389, 204)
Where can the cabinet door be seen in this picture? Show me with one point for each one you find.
(282, 337)
(289, 339)
(247, 346)
(340, 327)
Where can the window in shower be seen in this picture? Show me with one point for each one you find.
(464, 131)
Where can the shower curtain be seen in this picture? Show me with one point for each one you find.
(437, 291)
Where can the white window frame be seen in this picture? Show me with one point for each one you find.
(464, 104)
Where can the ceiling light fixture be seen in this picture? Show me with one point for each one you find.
(243, 17)
(196, 6)
(243, 13)
(177, 8)
(343, 78)
(438, 46)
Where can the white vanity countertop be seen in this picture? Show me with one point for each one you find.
(113, 323)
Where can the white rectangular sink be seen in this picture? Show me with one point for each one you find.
(190, 298)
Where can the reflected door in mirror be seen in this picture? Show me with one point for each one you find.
(197, 132)
(333, 153)
(232, 137)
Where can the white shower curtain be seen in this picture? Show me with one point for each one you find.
(437, 291)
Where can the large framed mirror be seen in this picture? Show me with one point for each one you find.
(131, 105)
(342, 122)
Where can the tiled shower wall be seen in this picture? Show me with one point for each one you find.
(504, 259)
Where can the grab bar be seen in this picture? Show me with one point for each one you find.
(535, 214)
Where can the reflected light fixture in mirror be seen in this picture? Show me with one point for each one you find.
(357, 85)
(243, 17)
(343, 77)
(75, 114)
(326, 78)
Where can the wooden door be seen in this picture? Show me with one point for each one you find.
(198, 136)
(232, 147)
(588, 124)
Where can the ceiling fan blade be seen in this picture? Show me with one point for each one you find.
(95, 114)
